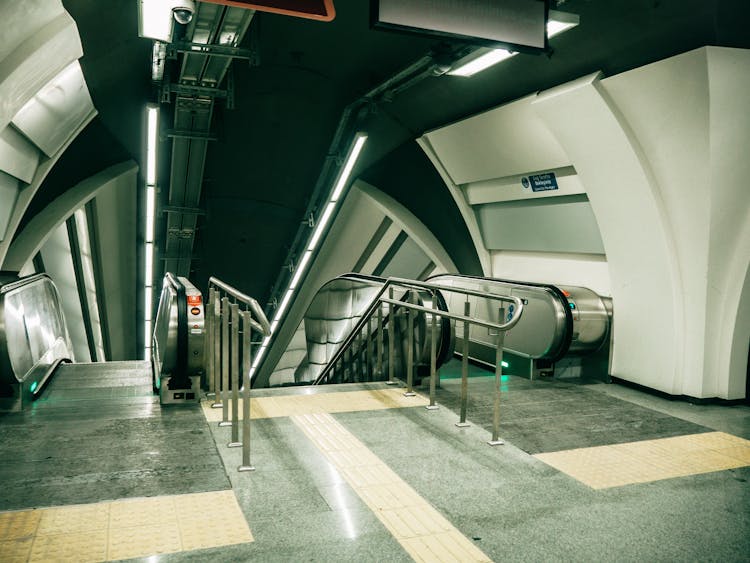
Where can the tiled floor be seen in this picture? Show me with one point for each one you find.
(423, 532)
(123, 529)
(651, 460)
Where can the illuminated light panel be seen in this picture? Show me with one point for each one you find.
(149, 273)
(480, 60)
(147, 334)
(300, 269)
(504, 364)
(155, 20)
(152, 124)
(559, 22)
(147, 299)
(322, 222)
(484, 57)
(150, 212)
(351, 160)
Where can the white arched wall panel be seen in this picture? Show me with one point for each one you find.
(645, 284)
(413, 227)
(728, 326)
(28, 242)
(467, 213)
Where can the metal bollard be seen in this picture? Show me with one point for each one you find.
(496, 441)
(433, 353)
(379, 368)
(410, 353)
(224, 361)
(209, 344)
(235, 375)
(391, 338)
(247, 363)
(465, 370)
(216, 312)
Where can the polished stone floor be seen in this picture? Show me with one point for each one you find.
(302, 503)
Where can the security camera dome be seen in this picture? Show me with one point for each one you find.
(182, 15)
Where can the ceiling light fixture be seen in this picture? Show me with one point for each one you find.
(485, 57)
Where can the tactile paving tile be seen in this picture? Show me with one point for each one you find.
(123, 529)
(141, 541)
(424, 533)
(347, 401)
(16, 551)
(74, 519)
(18, 524)
(76, 547)
(651, 460)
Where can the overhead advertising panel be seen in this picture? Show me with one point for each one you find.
(322, 10)
(515, 24)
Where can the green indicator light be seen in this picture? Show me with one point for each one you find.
(504, 378)
(572, 305)
(504, 364)
(34, 386)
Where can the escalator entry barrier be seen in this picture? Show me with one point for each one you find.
(177, 358)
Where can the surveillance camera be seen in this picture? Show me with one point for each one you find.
(183, 11)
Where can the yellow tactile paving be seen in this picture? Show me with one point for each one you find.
(423, 532)
(651, 460)
(18, 524)
(123, 529)
(347, 401)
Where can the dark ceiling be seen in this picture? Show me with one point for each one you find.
(270, 149)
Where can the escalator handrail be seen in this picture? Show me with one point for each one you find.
(262, 325)
(556, 291)
(403, 282)
(182, 325)
(28, 280)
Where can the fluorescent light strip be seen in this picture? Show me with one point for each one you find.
(281, 309)
(147, 334)
(150, 212)
(300, 269)
(152, 124)
(485, 60)
(322, 222)
(351, 160)
(148, 294)
(149, 269)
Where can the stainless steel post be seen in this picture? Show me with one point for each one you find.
(368, 359)
(224, 361)
(410, 352)
(433, 353)
(465, 370)
(379, 368)
(391, 338)
(216, 312)
(496, 441)
(247, 363)
(235, 375)
(209, 343)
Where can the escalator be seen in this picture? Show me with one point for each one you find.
(34, 338)
(348, 326)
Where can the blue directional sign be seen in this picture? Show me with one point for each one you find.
(543, 182)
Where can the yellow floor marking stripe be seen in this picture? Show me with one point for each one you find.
(346, 401)
(651, 460)
(123, 529)
(423, 532)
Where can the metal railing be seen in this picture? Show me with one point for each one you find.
(411, 308)
(230, 316)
